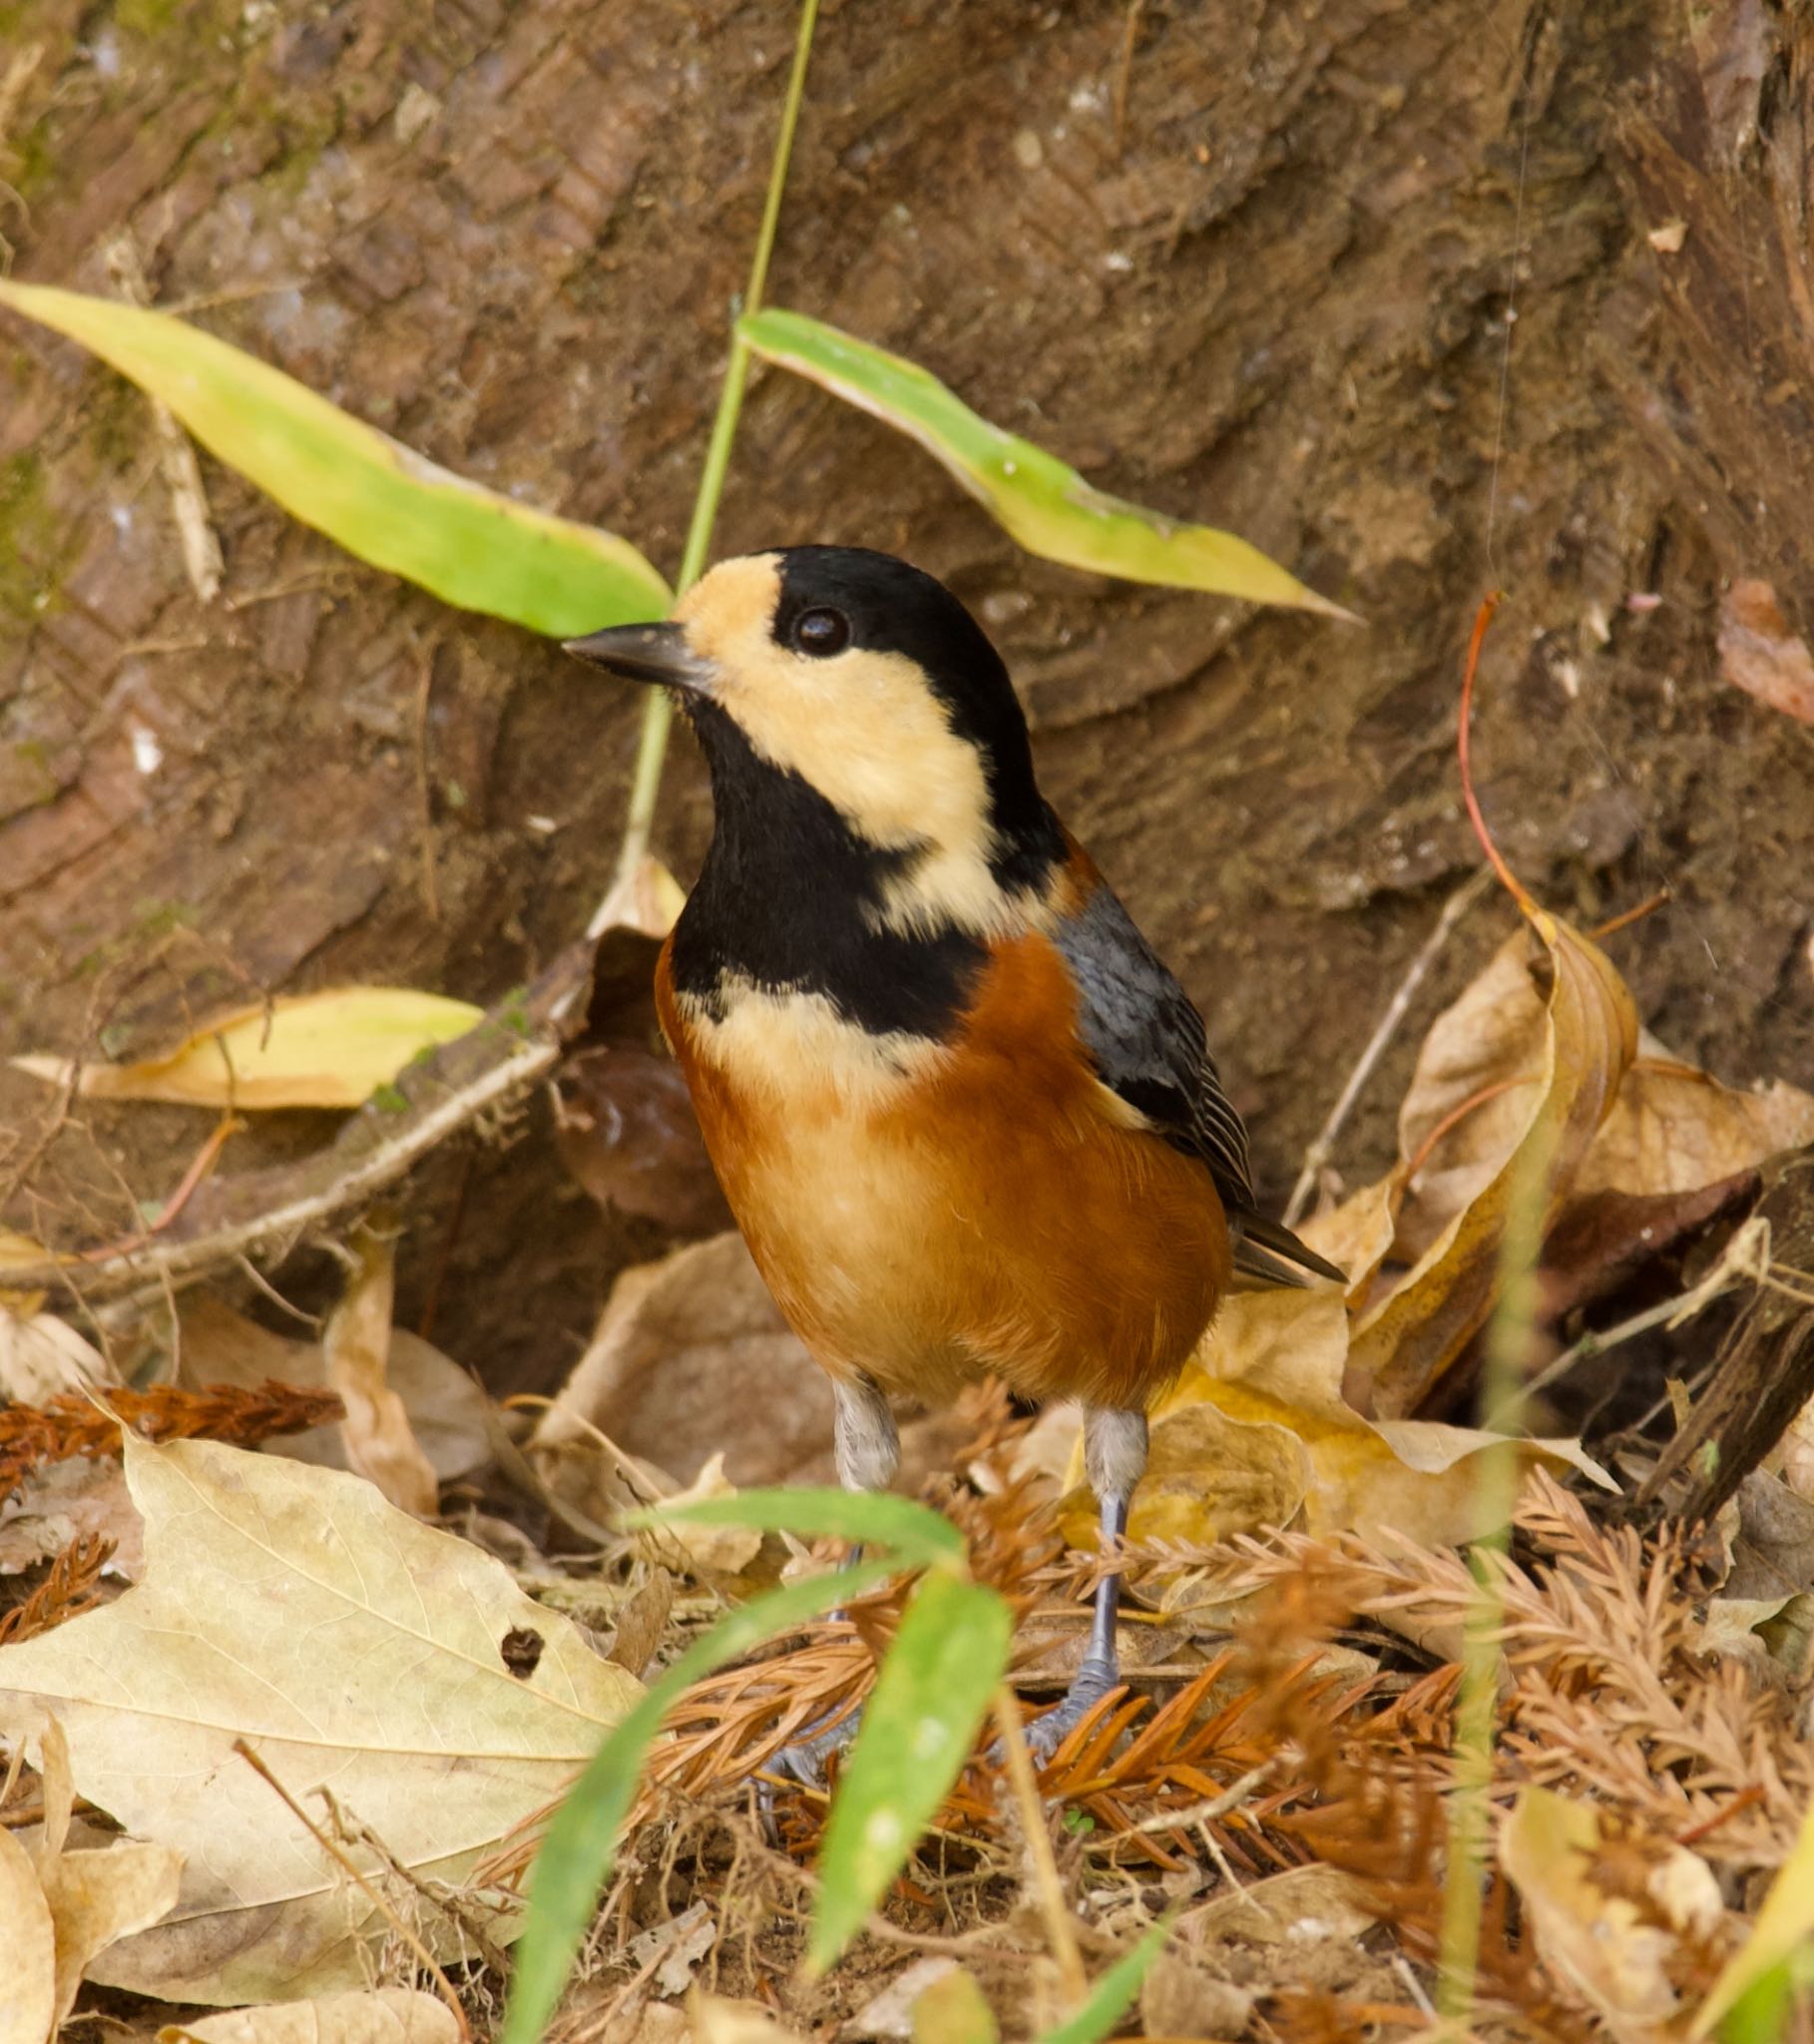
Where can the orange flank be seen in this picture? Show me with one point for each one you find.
(927, 1214)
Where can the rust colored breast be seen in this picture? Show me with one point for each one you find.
(989, 1206)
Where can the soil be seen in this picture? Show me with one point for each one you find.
(1393, 290)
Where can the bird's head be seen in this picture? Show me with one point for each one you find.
(867, 680)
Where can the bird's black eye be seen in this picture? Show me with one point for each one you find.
(822, 633)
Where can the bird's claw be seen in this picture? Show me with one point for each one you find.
(804, 1763)
(1044, 1736)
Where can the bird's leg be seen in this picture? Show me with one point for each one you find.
(1114, 1456)
(868, 1453)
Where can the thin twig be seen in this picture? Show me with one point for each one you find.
(201, 561)
(379, 1901)
(1416, 973)
(1123, 76)
(425, 796)
(658, 717)
(1747, 1255)
(1038, 1846)
(1212, 1809)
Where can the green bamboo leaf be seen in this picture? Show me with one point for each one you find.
(1045, 504)
(921, 1719)
(577, 1856)
(1112, 1992)
(378, 499)
(915, 1536)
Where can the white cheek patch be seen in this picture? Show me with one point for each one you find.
(864, 730)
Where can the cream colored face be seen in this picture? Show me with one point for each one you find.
(866, 730)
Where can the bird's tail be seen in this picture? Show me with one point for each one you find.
(1269, 1252)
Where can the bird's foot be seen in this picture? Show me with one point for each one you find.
(1092, 1683)
(804, 1762)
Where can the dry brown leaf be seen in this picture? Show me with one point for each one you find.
(41, 1355)
(1402, 1347)
(1760, 653)
(328, 1049)
(1675, 1129)
(380, 2015)
(1476, 1073)
(28, 1972)
(1607, 1947)
(673, 1338)
(381, 1445)
(97, 1897)
(642, 1620)
(1304, 1902)
(724, 1550)
(63, 1502)
(295, 1609)
(449, 1414)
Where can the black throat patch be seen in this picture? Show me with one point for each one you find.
(789, 897)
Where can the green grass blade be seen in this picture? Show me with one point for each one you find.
(1783, 1926)
(915, 1536)
(918, 1728)
(1111, 1993)
(581, 1842)
(1046, 505)
(389, 506)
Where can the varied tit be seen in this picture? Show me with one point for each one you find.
(965, 1118)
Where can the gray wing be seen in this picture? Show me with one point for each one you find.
(1147, 1044)
(1147, 1041)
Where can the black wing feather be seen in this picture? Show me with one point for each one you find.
(1149, 1045)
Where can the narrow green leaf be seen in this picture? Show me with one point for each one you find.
(389, 506)
(581, 1842)
(1112, 1992)
(1783, 1926)
(917, 1537)
(1045, 504)
(921, 1719)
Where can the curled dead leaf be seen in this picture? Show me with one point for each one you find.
(380, 1444)
(1404, 1344)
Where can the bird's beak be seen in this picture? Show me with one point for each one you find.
(645, 653)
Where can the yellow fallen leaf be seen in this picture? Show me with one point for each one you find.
(1594, 1936)
(331, 1049)
(381, 2015)
(1256, 1433)
(1357, 1235)
(1781, 1927)
(293, 1607)
(28, 1975)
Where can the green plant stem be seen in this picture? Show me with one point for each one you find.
(1476, 1707)
(657, 718)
